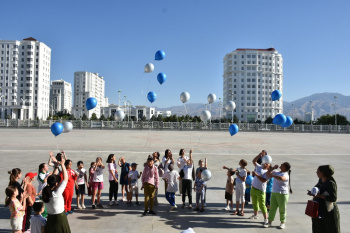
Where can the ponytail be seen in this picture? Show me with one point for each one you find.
(41, 166)
(52, 182)
(290, 186)
(10, 191)
(13, 175)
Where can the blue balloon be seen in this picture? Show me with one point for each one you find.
(56, 128)
(161, 77)
(289, 122)
(160, 55)
(233, 129)
(279, 119)
(151, 96)
(91, 103)
(276, 95)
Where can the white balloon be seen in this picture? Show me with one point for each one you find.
(189, 230)
(184, 97)
(149, 67)
(266, 159)
(206, 175)
(67, 127)
(205, 115)
(119, 115)
(230, 105)
(211, 98)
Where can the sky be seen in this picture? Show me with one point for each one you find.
(117, 38)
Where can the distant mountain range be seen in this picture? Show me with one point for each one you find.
(322, 103)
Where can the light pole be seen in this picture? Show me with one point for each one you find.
(232, 109)
(119, 91)
(293, 111)
(220, 104)
(335, 111)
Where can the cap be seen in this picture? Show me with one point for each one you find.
(31, 175)
(134, 164)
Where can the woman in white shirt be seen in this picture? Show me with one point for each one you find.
(280, 192)
(52, 195)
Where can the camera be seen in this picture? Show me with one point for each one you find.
(59, 157)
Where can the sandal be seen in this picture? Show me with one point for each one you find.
(241, 214)
(235, 213)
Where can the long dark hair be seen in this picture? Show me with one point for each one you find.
(13, 174)
(287, 165)
(181, 151)
(51, 185)
(10, 191)
(41, 166)
(167, 153)
(109, 160)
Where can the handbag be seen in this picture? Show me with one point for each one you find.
(181, 173)
(312, 209)
(160, 170)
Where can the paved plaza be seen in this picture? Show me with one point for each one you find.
(27, 148)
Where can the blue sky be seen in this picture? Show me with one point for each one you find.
(117, 38)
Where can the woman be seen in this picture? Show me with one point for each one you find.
(181, 162)
(52, 195)
(329, 219)
(258, 189)
(280, 192)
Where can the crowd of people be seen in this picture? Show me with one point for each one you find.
(267, 187)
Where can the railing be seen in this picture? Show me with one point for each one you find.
(157, 125)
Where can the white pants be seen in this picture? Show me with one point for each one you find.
(16, 223)
(240, 192)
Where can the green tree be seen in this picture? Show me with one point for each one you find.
(94, 117)
(85, 118)
(269, 120)
(103, 118)
(154, 118)
(330, 120)
(160, 117)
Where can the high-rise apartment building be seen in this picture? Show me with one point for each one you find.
(61, 96)
(24, 79)
(250, 75)
(86, 85)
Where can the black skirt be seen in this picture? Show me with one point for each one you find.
(57, 223)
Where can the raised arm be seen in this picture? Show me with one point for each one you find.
(256, 159)
(64, 170)
(191, 159)
(50, 163)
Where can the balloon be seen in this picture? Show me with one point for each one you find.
(67, 126)
(266, 159)
(161, 77)
(205, 115)
(279, 119)
(184, 97)
(211, 98)
(233, 129)
(206, 175)
(230, 105)
(189, 230)
(151, 96)
(91, 103)
(288, 122)
(276, 95)
(160, 55)
(314, 191)
(149, 67)
(119, 115)
(56, 128)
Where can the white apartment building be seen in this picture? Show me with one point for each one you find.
(24, 79)
(61, 96)
(250, 76)
(86, 85)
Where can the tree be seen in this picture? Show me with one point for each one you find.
(269, 120)
(153, 118)
(94, 117)
(111, 118)
(160, 117)
(85, 118)
(330, 120)
(103, 118)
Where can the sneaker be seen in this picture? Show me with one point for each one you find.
(100, 206)
(282, 226)
(93, 206)
(70, 212)
(190, 206)
(183, 206)
(144, 213)
(110, 203)
(175, 206)
(79, 207)
(205, 204)
(196, 209)
(227, 208)
(152, 212)
(266, 223)
(138, 203)
(116, 202)
(83, 206)
(202, 210)
(254, 217)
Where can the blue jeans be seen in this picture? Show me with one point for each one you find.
(170, 197)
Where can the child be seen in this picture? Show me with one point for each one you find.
(69, 190)
(202, 166)
(43, 174)
(38, 222)
(30, 200)
(188, 176)
(97, 183)
(80, 184)
(17, 209)
(229, 188)
(198, 187)
(248, 183)
(91, 177)
(241, 173)
(125, 168)
(113, 179)
(133, 183)
(15, 175)
(171, 178)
